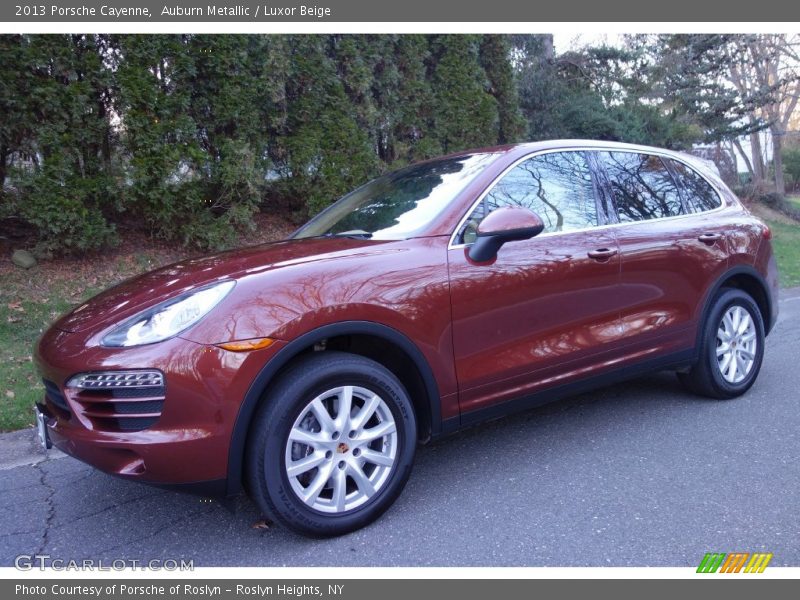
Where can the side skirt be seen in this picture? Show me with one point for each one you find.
(673, 361)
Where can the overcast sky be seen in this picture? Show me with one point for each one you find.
(574, 41)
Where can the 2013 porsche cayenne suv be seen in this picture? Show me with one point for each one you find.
(449, 292)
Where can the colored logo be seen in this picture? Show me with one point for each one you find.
(737, 562)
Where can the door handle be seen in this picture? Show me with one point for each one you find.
(602, 254)
(709, 238)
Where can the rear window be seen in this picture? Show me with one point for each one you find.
(643, 187)
(698, 193)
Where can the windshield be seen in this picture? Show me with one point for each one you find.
(399, 204)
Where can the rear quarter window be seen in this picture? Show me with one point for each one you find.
(699, 194)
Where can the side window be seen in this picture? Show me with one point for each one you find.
(698, 193)
(557, 186)
(643, 187)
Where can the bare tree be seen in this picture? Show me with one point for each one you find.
(768, 62)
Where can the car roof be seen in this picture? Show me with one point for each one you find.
(570, 143)
(520, 149)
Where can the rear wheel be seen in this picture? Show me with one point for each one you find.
(731, 347)
(332, 444)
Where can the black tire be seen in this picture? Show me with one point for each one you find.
(705, 377)
(265, 470)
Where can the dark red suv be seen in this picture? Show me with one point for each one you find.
(449, 292)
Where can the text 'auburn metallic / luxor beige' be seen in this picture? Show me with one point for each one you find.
(450, 292)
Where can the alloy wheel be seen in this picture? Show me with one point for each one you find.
(737, 344)
(341, 449)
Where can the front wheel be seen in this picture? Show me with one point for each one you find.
(731, 347)
(332, 444)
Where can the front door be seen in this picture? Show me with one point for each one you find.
(547, 309)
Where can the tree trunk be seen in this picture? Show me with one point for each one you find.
(3, 158)
(777, 161)
(759, 170)
(747, 162)
(730, 151)
(548, 49)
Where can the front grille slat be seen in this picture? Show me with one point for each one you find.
(119, 400)
(106, 400)
(113, 415)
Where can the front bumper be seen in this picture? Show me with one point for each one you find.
(187, 444)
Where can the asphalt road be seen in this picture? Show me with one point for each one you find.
(640, 474)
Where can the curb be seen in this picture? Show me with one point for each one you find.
(21, 448)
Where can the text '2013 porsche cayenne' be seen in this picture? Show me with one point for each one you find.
(452, 291)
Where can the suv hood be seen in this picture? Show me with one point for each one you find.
(144, 291)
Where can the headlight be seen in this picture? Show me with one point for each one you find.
(168, 318)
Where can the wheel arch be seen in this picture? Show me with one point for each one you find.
(748, 280)
(384, 344)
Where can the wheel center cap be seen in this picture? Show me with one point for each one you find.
(342, 448)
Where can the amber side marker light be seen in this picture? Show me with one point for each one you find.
(246, 345)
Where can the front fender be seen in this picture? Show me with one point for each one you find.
(291, 350)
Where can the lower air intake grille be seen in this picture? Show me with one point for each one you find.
(54, 395)
(119, 400)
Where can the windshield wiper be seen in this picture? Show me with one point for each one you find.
(355, 234)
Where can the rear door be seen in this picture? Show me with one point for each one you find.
(668, 253)
(546, 308)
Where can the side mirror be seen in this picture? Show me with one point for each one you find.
(506, 224)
